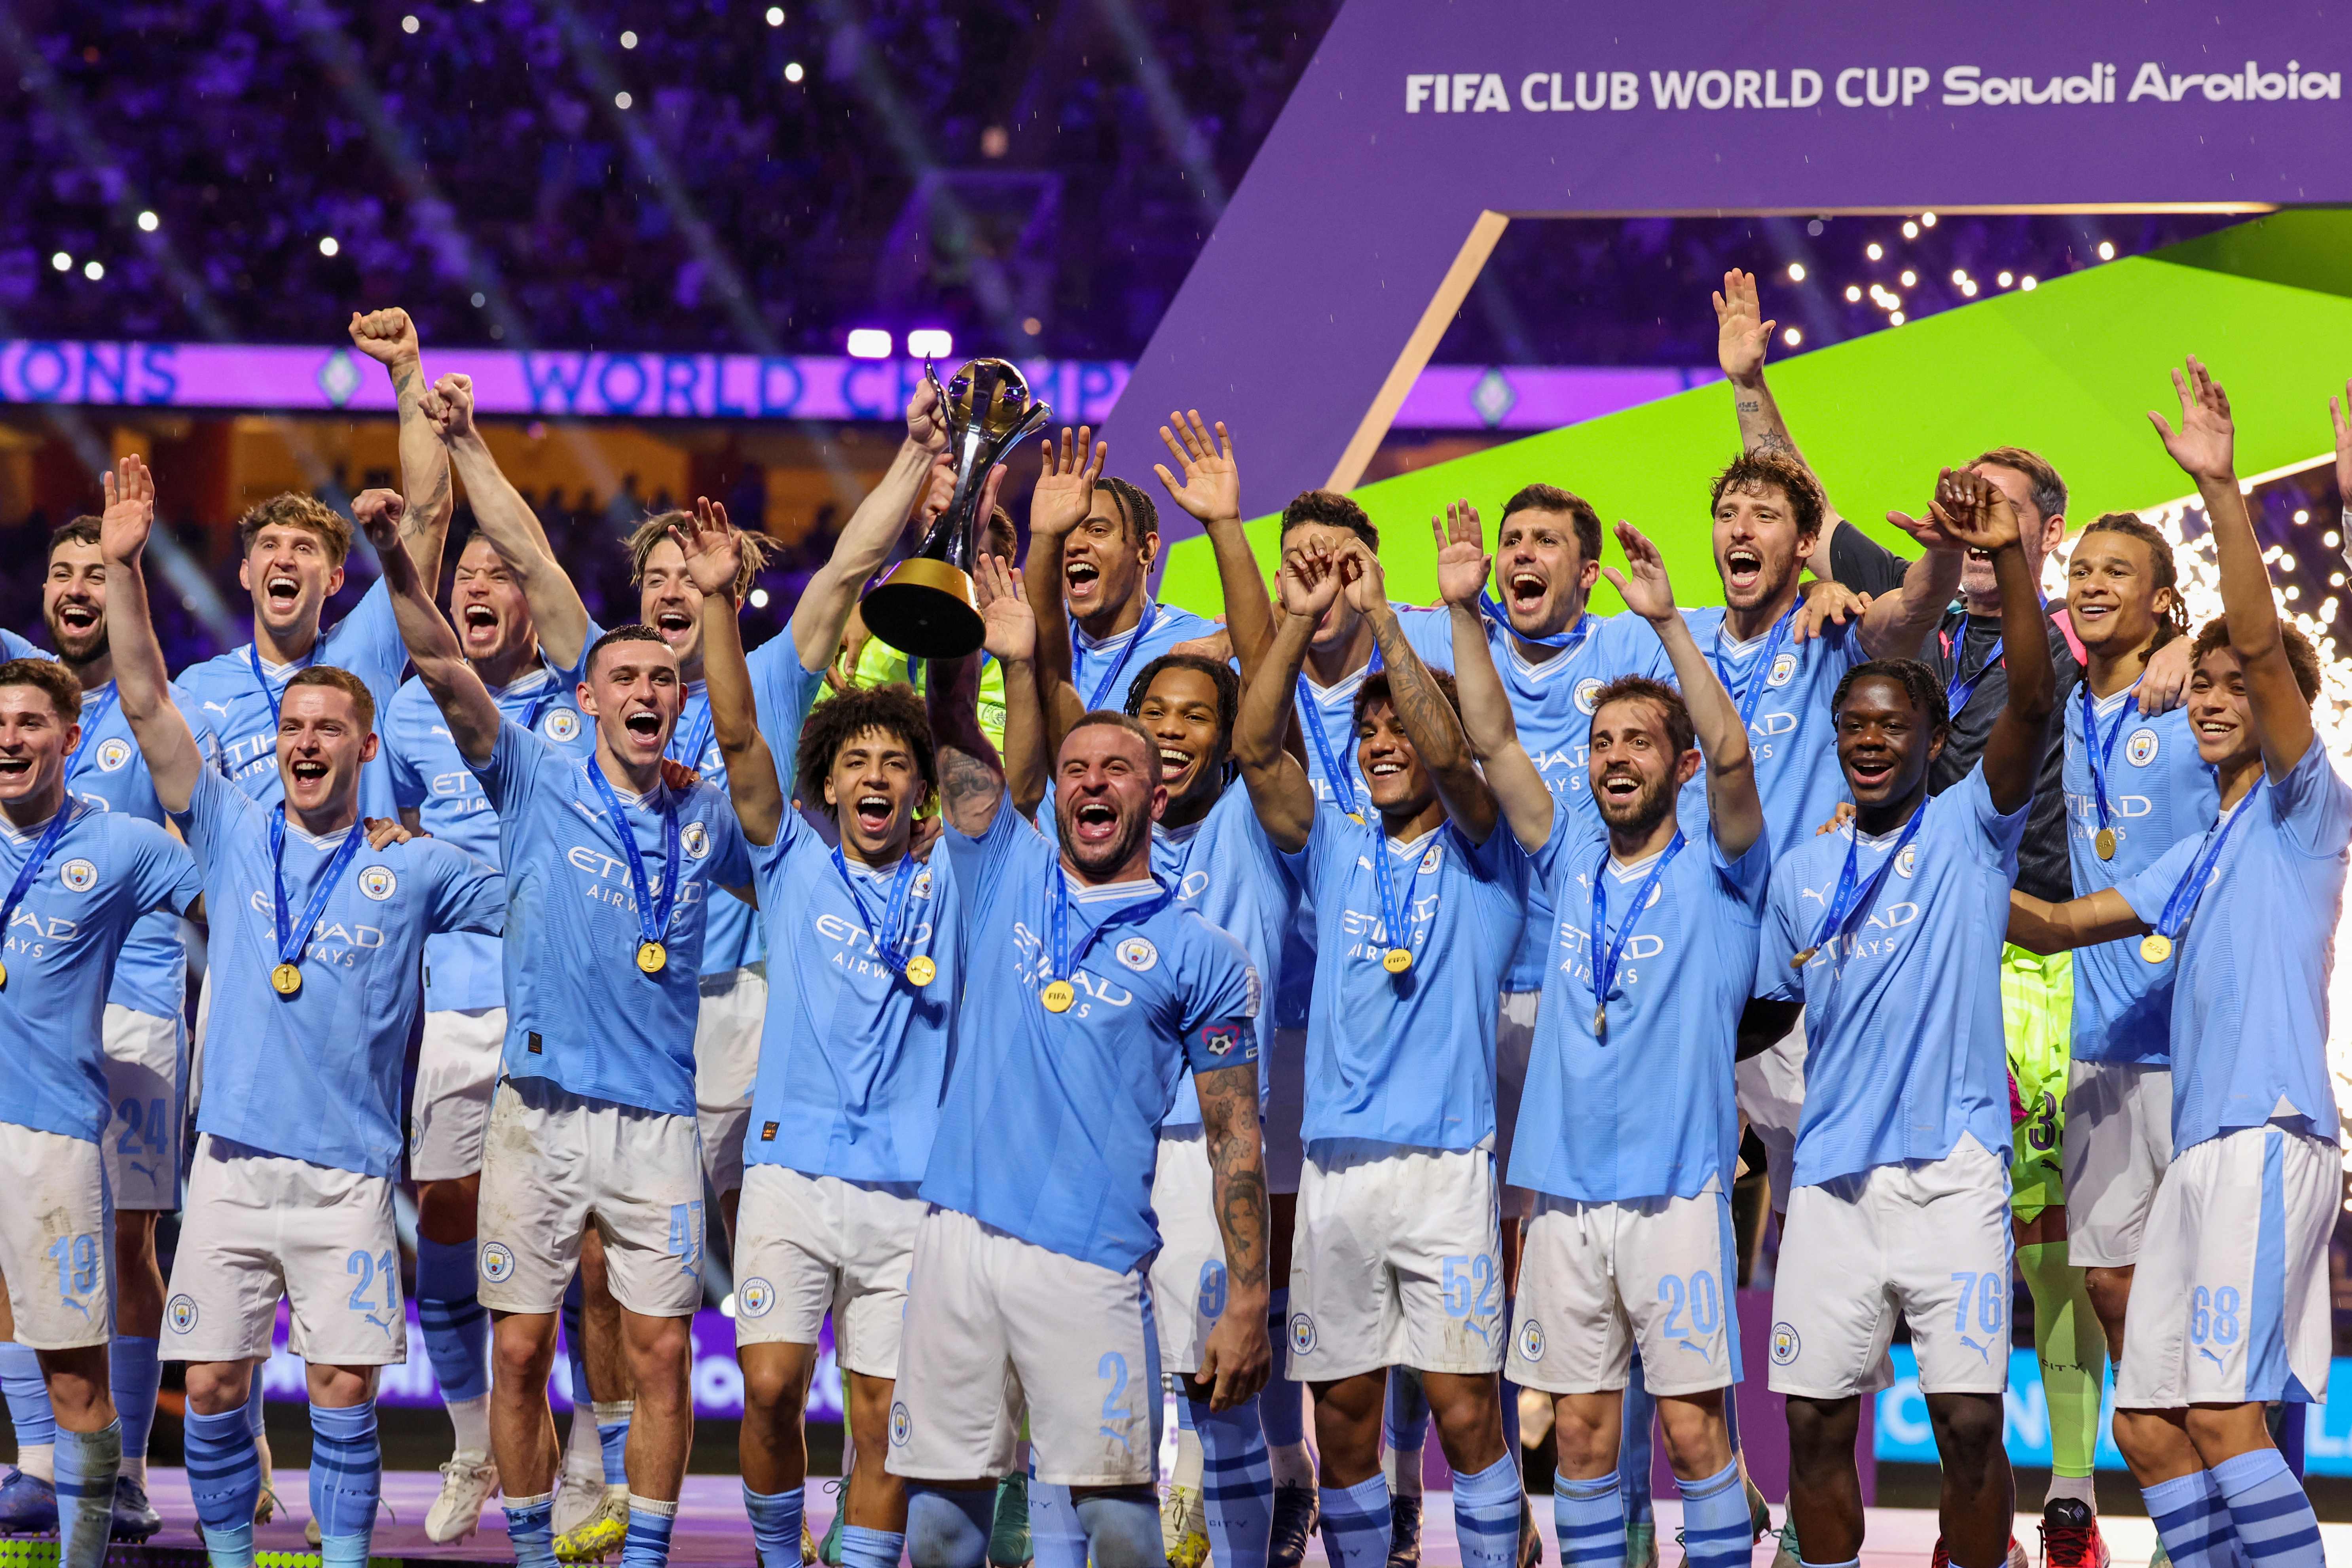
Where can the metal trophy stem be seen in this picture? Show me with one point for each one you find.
(924, 606)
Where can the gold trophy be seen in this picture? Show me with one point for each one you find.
(924, 606)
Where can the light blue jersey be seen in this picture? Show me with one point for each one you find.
(108, 771)
(1102, 671)
(1903, 1016)
(1591, 1126)
(579, 1010)
(316, 1076)
(430, 776)
(782, 692)
(101, 875)
(1051, 1128)
(2249, 987)
(1225, 869)
(854, 1055)
(1407, 1058)
(1783, 689)
(2158, 791)
(236, 697)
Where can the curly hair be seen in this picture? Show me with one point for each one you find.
(1751, 470)
(82, 529)
(46, 675)
(1918, 682)
(893, 710)
(1375, 692)
(1642, 688)
(2171, 623)
(1221, 676)
(1333, 511)
(646, 535)
(2301, 656)
(291, 511)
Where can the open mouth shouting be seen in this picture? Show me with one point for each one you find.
(1082, 580)
(78, 618)
(1743, 568)
(283, 590)
(874, 811)
(14, 771)
(1175, 767)
(675, 623)
(644, 727)
(1620, 786)
(1094, 823)
(480, 625)
(1526, 588)
(308, 771)
(1870, 771)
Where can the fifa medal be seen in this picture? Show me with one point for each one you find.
(1801, 957)
(286, 980)
(4, 978)
(1397, 960)
(921, 970)
(652, 957)
(2105, 843)
(2155, 947)
(1059, 995)
(1599, 1022)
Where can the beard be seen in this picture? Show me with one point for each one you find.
(1099, 860)
(1645, 812)
(79, 647)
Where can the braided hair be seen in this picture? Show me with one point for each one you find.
(2172, 621)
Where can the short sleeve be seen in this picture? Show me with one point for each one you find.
(1862, 564)
(516, 759)
(2148, 890)
(983, 864)
(1568, 832)
(1501, 858)
(2311, 803)
(466, 894)
(1778, 939)
(730, 860)
(14, 646)
(783, 692)
(217, 810)
(1222, 993)
(192, 713)
(163, 874)
(367, 642)
(1997, 834)
(1430, 632)
(575, 673)
(1326, 836)
(408, 789)
(1747, 880)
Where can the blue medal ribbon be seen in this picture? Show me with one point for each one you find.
(1853, 901)
(686, 745)
(2099, 748)
(253, 661)
(1571, 639)
(68, 809)
(653, 919)
(535, 705)
(1957, 695)
(1310, 718)
(1057, 923)
(91, 719)
(1605, 961)
(894, 917)
(2182, 903)
(1763, 670)
(1395, 921)
(291, 938)
(1142, 630)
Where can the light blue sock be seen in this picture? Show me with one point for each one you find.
(776, 1523)
(1356, 1524)
(456, 1326)
(531, 1528)
(228, 1548)
(650, 1525)
(613, 1437)
(1281, 1407)
(1122, 1530)
(1236, 1482)
(1849, 1563)
(1588, 1518)
(1486, 1515)
(1056, 1539)
(950, 1528)
(2267, 1505)
(346, 1480)
(863, 1548)
(133, 1374)
(27, 1394)
(1715, 1528)
(87, 1463)
(224, 1474)
(1633, 1446)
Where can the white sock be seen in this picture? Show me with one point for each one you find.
(583, 1454)
(1292, 1465)
(134, 1469)
(1402, 1467)
(471, 1420)
(38, 1460)
(2079, 1488)
(1190, 1460)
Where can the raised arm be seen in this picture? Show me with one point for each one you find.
(872, 531)
(1429, 720)
(2205, 447)
(1065, 494)
(1894, 624)
(1280, 791)
(1235, 1360)
(1012, 641)
(2038, 925)
(142, 683)
(1212, 491)
(389, 338)
(1978, 515)
(713, 558)
(1742, 338)
(465, 703)
(506, 520)
(971, 777)
(1463, 566)
(1735, 812)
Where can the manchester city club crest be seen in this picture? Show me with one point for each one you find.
(183, 1313)
(1302, 1333)
(562, 725)
(1531, 1341)
(1786, 1344)
(1138, 954)
(901, 1424)
(1784, 669)
(378, 882)
(79, 875)
(113, 755)
(2140, 750)
(694, 841)
(755, 1298)
(1586, 692)
(1908, 861)
(497, 1262)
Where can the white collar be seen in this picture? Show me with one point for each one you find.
(319, 840)
(1625, 871)
(32, 834)
(1116, 640)
(1406, 846)
(1107, 892)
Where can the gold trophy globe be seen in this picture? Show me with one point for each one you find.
(924, 606)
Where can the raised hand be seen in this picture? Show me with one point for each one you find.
(1741, 334)
(379, 513)
(386, 337)
(130, 512)
(1926, 530)
(1212, 490)
(1462, 564)
(1364, 581)
(925, 427)
(2205, 445)
(1642, 584)
(1309, 582)
(1976, 513)
(2341, 419)
(448, 403)
(714, 555)
(1009, 628)
(1065, 483)
(1827, 604)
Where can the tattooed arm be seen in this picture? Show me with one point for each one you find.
(1429, 717)
(1742, 335)
(1236, 1359)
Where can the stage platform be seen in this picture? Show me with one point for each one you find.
(711, 1530)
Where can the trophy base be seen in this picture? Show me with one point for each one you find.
(924, 607)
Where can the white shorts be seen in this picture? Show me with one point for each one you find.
(554, 1162)
(1597, 1279)
(57, 1239)
(725, 1060)
(997, 1327)
(145, 1082)
(2230, 1304)
(262, 1227)
(808, 1245)
(1929, 1240)
(1188, 1276)
(1771, 1090)
(1285, 1111)
(2117, 1141)
(457, 1068)
(1515, 1040)
(1396, 1261)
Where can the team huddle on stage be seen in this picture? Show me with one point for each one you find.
(1347, 995)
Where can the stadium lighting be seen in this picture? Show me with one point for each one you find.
(1792, 337)
(775, 15)
(628, 40)
(1853, 294)
(149, 222)
(1910, 230)
(930, 343)
(1796, 272)
(1896, 319)
(409, 24)
(1959, 276)
(2027, 283)
(1032, 325)
(1926, 220)
(1969, 288)
(479, 300)
(93, 270)
(759, 598)
(1873, 250)
(62, 262)
(2005, 280)
(622, 101)
(792, 71)
(2107, 250)
(2302, 515)
(327, 245)
(868, 342)
(1909, 278)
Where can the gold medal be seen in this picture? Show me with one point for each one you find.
(286, 980)
(1398, 961)
(1059, 995)
(1801, 957)
(1599, 1022)
(921, 970)
(652, 957)
(4, 978)
(1357, 817)
(2155, 947)
(2105, 843)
